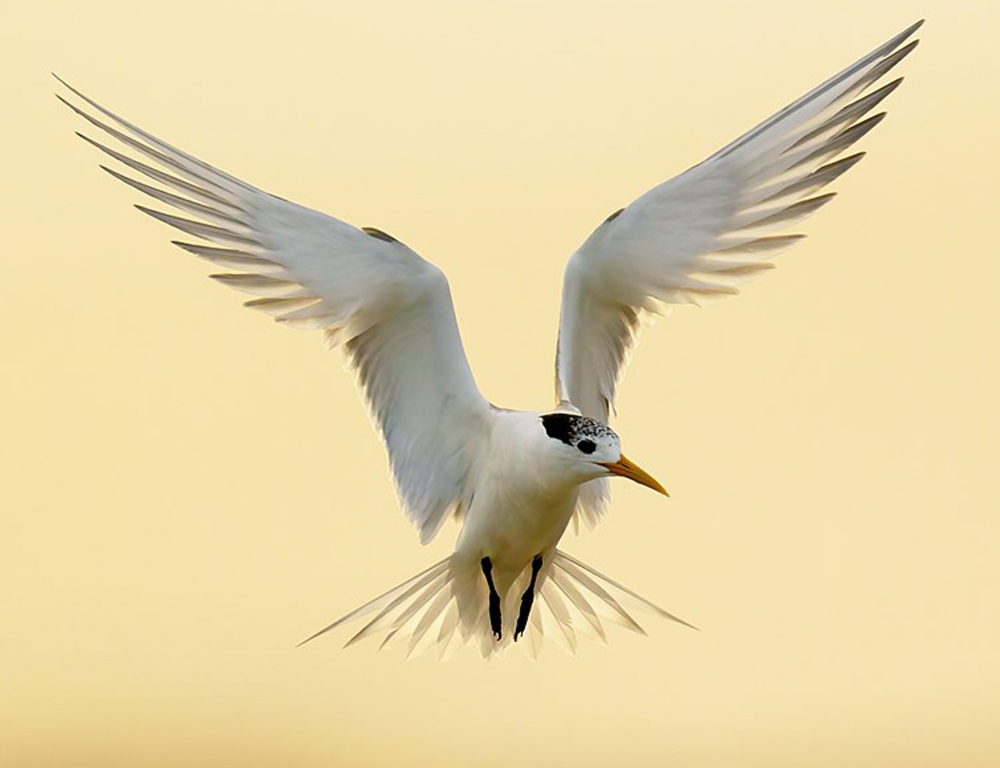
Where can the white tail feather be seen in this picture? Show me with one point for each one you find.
(445, 606)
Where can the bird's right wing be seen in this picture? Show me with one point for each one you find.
(389, 309)
(702, 233)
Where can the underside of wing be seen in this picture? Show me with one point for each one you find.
(701, 234)
(389, 309)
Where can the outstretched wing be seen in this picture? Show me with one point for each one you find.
(389, 309)
(702, 233)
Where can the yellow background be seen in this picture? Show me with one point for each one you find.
(188, 489)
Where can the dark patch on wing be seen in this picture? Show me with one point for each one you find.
(614, 215)
(378, 234)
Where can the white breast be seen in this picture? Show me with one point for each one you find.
(522, 504)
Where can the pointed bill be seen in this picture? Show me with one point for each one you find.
(625, 468)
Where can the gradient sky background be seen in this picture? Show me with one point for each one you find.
(190, 489)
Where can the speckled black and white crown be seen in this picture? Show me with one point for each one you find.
(572, 429)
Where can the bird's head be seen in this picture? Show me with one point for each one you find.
(592, 449)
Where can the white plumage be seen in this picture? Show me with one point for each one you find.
(515, 479)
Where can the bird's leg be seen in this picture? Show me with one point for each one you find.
(527, 599)
(495, 620)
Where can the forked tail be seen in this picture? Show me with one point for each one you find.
(445, 606)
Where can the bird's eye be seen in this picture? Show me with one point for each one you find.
(587, 446)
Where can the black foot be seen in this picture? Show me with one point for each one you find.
(496, 622)
(527, 599)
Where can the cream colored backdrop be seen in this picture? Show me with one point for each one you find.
(188, 489)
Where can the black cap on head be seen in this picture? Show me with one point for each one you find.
(571, 428)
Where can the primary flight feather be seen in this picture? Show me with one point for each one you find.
(515, 479)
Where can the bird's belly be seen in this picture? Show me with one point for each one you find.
(511, 532)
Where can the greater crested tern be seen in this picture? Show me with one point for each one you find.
(514, 479)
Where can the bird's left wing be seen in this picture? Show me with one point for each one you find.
(389, 309)
(702, 233)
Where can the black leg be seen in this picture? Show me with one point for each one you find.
(495, 620)
(527, 599)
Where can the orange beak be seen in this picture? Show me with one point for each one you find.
(625, 468)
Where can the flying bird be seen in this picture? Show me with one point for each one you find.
(514, 479)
